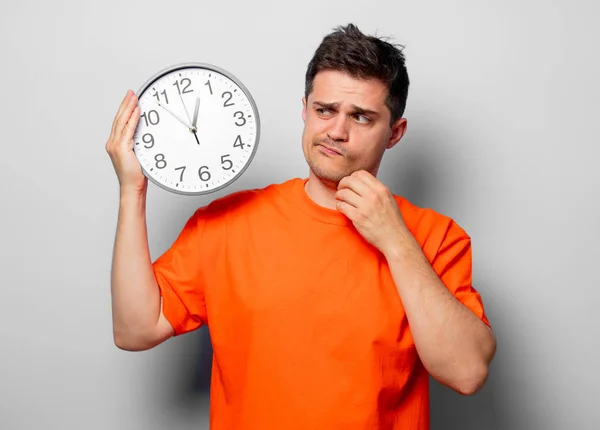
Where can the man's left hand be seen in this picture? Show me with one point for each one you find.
(372, 209)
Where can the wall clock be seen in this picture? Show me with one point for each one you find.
(198, 130)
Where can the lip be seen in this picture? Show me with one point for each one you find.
(329, 150)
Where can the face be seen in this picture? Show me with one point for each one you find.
(346, 126)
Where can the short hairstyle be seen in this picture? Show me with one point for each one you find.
(361, 56)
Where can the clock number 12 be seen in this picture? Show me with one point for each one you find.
(185, 81)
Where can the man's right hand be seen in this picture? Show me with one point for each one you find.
(120, 146)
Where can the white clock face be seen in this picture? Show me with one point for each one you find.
(198, 129)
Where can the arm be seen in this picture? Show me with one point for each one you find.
(138, 322)
(455, 346)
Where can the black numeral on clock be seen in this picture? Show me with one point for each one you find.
(151, 119)
(225, 161)
(204, 175)
(182, 170)
(209, 87)
(185, 81)
(227, 104)
(240, 118)
(150, 140)
(238, 142)
(164, 93)
(160, 161)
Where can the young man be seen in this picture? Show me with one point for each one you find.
(329, 300)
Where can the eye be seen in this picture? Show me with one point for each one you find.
(323, 111)
(365, 119)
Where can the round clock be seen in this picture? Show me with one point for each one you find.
(198, 129)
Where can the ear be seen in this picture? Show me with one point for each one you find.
(304, 109)
(398, 130)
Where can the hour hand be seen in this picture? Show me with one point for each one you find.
(196, 112)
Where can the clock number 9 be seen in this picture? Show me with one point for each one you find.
(151, 141)
(148, 118)
(183, 82)
(204, 176)
(241, 117)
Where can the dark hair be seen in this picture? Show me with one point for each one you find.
(348, 50)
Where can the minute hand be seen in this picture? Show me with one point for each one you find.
(176, 116)
(196, 112)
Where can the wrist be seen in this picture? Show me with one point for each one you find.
(402, 245)
(132, 195)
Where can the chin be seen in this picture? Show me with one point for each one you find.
(329, 175)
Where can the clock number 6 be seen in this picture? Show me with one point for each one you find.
(241, 117)
(204, 176)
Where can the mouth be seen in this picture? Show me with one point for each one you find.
(328, 150)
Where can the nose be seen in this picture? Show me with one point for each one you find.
(339, 129)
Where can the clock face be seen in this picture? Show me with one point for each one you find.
(198, 129)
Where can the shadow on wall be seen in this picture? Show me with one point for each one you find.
(190, 372)
(417, 172)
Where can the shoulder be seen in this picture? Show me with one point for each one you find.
(245, 201)
(430, 227)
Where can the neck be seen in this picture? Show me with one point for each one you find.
(320, 191)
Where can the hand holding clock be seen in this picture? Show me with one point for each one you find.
(230, 128)
(120, 146)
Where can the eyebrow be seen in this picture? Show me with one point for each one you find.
(336, 105)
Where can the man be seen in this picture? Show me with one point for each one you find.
(329, 300)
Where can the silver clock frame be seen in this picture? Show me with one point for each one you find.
(239, 83)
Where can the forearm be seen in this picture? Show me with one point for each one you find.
(454, 345)
(135, 293)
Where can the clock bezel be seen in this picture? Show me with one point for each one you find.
(232, 77)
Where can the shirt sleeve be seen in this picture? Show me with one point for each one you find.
(453, 264)
(177, 273)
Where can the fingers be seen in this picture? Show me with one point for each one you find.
(350, 211)
(348, 196)
(131, 124)
(119, 111)
(354, 183)
(124, 113)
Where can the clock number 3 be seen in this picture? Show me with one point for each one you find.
(240, 118)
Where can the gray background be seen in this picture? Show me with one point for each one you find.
(502, 136)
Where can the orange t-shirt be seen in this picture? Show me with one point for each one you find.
(307, 326)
